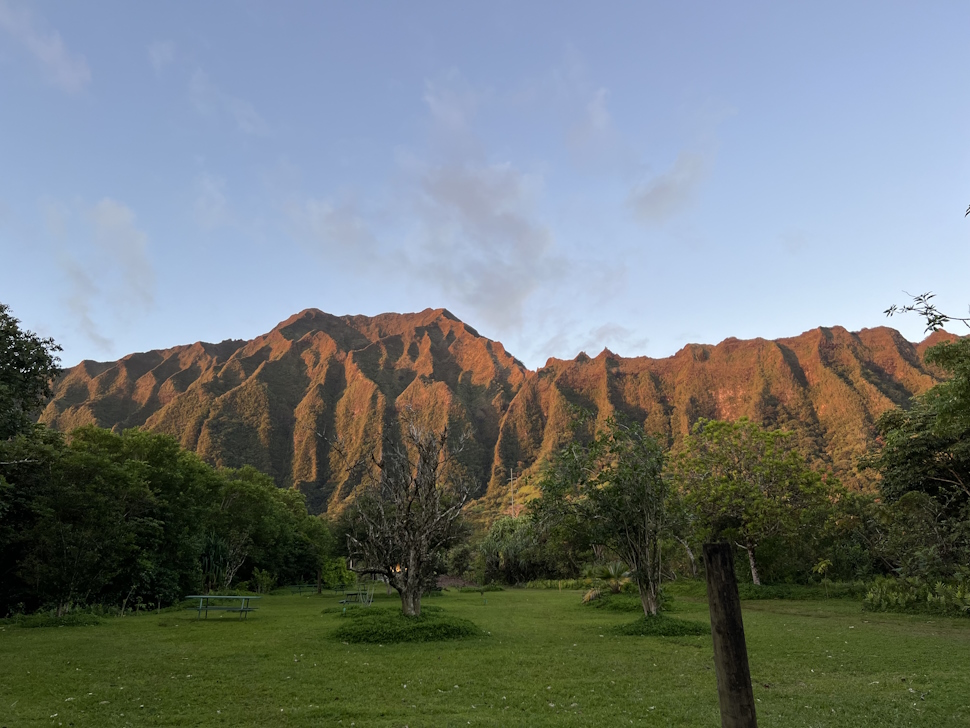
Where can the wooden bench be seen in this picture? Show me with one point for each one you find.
(205, 605)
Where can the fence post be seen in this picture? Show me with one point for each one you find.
(730, 651)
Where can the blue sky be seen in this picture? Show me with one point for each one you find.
(561, 176)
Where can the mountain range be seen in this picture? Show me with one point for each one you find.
(281, 401)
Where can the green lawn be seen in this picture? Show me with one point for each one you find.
(547, 660)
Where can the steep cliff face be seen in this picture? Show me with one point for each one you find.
(279, 401)
(827, 386)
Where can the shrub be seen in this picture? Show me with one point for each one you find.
(916, 595)
(262, 582)
(387, 626)
(661, 626)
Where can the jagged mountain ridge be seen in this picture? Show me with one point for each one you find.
(278, 401)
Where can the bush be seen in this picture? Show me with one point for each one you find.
(388, 626)
(661, 626)
(262, 582)
(914, 595)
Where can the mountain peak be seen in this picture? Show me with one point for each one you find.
(261, 402)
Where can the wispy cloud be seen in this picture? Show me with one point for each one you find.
(67, 70)
(210, 100)
(338, 230)
(594, 142)
(211, 204)
(663, 196)
(103, 256)
(81, 294)
(452, 101)
(161, 54)
(480, 240)
(570, 339)
(124, 243)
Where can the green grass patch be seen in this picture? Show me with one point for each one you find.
(662, 626)
(548, 662)
(390, 626)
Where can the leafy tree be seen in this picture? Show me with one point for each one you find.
(28, 365)
(749, 485)
(409, 512)
(924, 461)
(613, 488)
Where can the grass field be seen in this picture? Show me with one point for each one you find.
(544, 660)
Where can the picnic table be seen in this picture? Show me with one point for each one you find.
(361, 593)
(300, 588)
(205, 604)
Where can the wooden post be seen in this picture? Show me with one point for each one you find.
(730, 651)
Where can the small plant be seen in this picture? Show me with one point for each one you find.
(262, 582)
(821, 568)
(592, 595)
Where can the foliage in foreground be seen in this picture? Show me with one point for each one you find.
(388, 626)
(912, 595)
(662, 626)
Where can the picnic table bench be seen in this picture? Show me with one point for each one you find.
(361, 593)
(205, 605)
(300, 588)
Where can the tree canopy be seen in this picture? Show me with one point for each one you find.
(613, 488)
(28, 365)
(749, 485)
(409, 512)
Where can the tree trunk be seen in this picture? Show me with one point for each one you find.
(754, 567)
(319, 581)
(648, 598)
(690, 555)
(411, 600)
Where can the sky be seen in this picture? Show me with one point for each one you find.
(561, 176)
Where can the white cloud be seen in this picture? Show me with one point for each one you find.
(104, 261)
(67, 70)
(211, 204)
(82, 293)
(480, 241)
(337, 230)
(667, 194)
(452, 101)
(161, 54)
(117, 236)
(209, 100)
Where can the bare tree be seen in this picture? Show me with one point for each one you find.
(409, 511)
